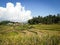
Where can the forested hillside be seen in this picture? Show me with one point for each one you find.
(50, 19)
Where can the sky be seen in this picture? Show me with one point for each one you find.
(35, 7)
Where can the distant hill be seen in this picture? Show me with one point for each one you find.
(9, 23)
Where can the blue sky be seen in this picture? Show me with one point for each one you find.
(37, 7)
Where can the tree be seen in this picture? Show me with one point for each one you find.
(50, 19)
(4, 22)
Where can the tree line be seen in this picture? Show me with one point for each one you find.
(50, 19)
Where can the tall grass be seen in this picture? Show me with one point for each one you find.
(29, 40)
(31, 35)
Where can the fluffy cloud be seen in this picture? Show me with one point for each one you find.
(15, 13)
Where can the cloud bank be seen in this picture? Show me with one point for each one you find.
(15, 13)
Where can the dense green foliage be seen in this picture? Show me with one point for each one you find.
(50, 19)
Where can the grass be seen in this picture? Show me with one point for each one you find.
(39, 34)
(47, 27)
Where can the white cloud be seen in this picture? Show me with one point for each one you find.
(15, 13)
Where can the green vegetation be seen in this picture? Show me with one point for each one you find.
(50, 19)
(53, 27)
(37, 34)
(4, 22)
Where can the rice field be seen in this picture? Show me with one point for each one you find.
(39, 34)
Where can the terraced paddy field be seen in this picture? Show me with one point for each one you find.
(39, 34)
